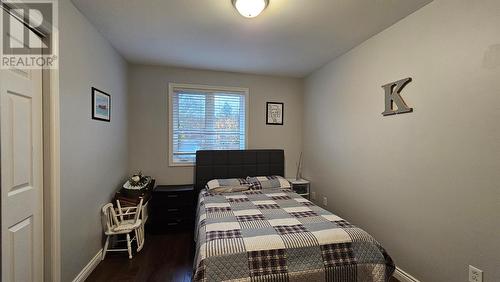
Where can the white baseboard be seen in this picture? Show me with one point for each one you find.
(403, 276)
(84, 274)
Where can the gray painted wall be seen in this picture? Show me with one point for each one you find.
(93, 153)
(425, 184)
(148, 118)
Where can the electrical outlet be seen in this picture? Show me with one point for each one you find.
(313, 195)
(325, 201)
(475, 274)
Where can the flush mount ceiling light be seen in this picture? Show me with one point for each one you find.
(250, 8)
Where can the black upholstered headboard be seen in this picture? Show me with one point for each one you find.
(237, 164)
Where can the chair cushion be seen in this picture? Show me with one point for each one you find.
(127, 225)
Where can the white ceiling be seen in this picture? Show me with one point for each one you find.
(291, 37)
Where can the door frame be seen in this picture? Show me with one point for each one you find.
(51, 164)
(52, 177)
(51, 171)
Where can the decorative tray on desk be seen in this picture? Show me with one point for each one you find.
(128, 186)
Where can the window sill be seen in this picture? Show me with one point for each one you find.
(181, 164)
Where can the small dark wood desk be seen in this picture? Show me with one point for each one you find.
(129, 198)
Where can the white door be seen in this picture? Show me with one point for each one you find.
(21, 175)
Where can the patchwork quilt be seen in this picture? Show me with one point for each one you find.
(276, 235)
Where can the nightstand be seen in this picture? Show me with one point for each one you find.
(172, 208)
(301, 187)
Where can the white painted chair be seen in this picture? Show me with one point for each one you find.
(123, 221)
(129, 213)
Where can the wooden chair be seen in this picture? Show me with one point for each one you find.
(130, 213)
(123, 221)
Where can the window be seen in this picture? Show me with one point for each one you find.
(205, 118)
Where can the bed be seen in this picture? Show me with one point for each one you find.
(274, 234)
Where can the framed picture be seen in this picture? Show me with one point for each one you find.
(101, 105)
(274, 113)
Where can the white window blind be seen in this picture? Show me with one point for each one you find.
(205, 119)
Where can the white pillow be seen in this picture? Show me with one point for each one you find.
(228, 185)
(268, 182)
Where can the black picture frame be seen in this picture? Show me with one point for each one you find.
(275, 106)
(95, 115)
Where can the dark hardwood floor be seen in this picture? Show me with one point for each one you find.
(165, 258)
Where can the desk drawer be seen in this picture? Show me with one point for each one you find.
(177, 222)
(172, 213)
(174, 199)
(161, 226)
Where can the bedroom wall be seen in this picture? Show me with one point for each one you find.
(425, 184)
(93, 153)
(148, 119)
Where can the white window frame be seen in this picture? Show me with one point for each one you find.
(172, 86)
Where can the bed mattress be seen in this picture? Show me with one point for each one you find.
(276, 235)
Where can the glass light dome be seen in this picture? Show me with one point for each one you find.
(250, 8)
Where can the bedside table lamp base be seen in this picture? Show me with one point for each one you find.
(298, 176)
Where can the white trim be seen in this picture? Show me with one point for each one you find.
(54, 194)
(87, 270)
(403, 276)
(171, 87)
(53, 211)
(207, 87)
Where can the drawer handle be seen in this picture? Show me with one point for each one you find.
(172, 223)
(172, 196)
(172, 210)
